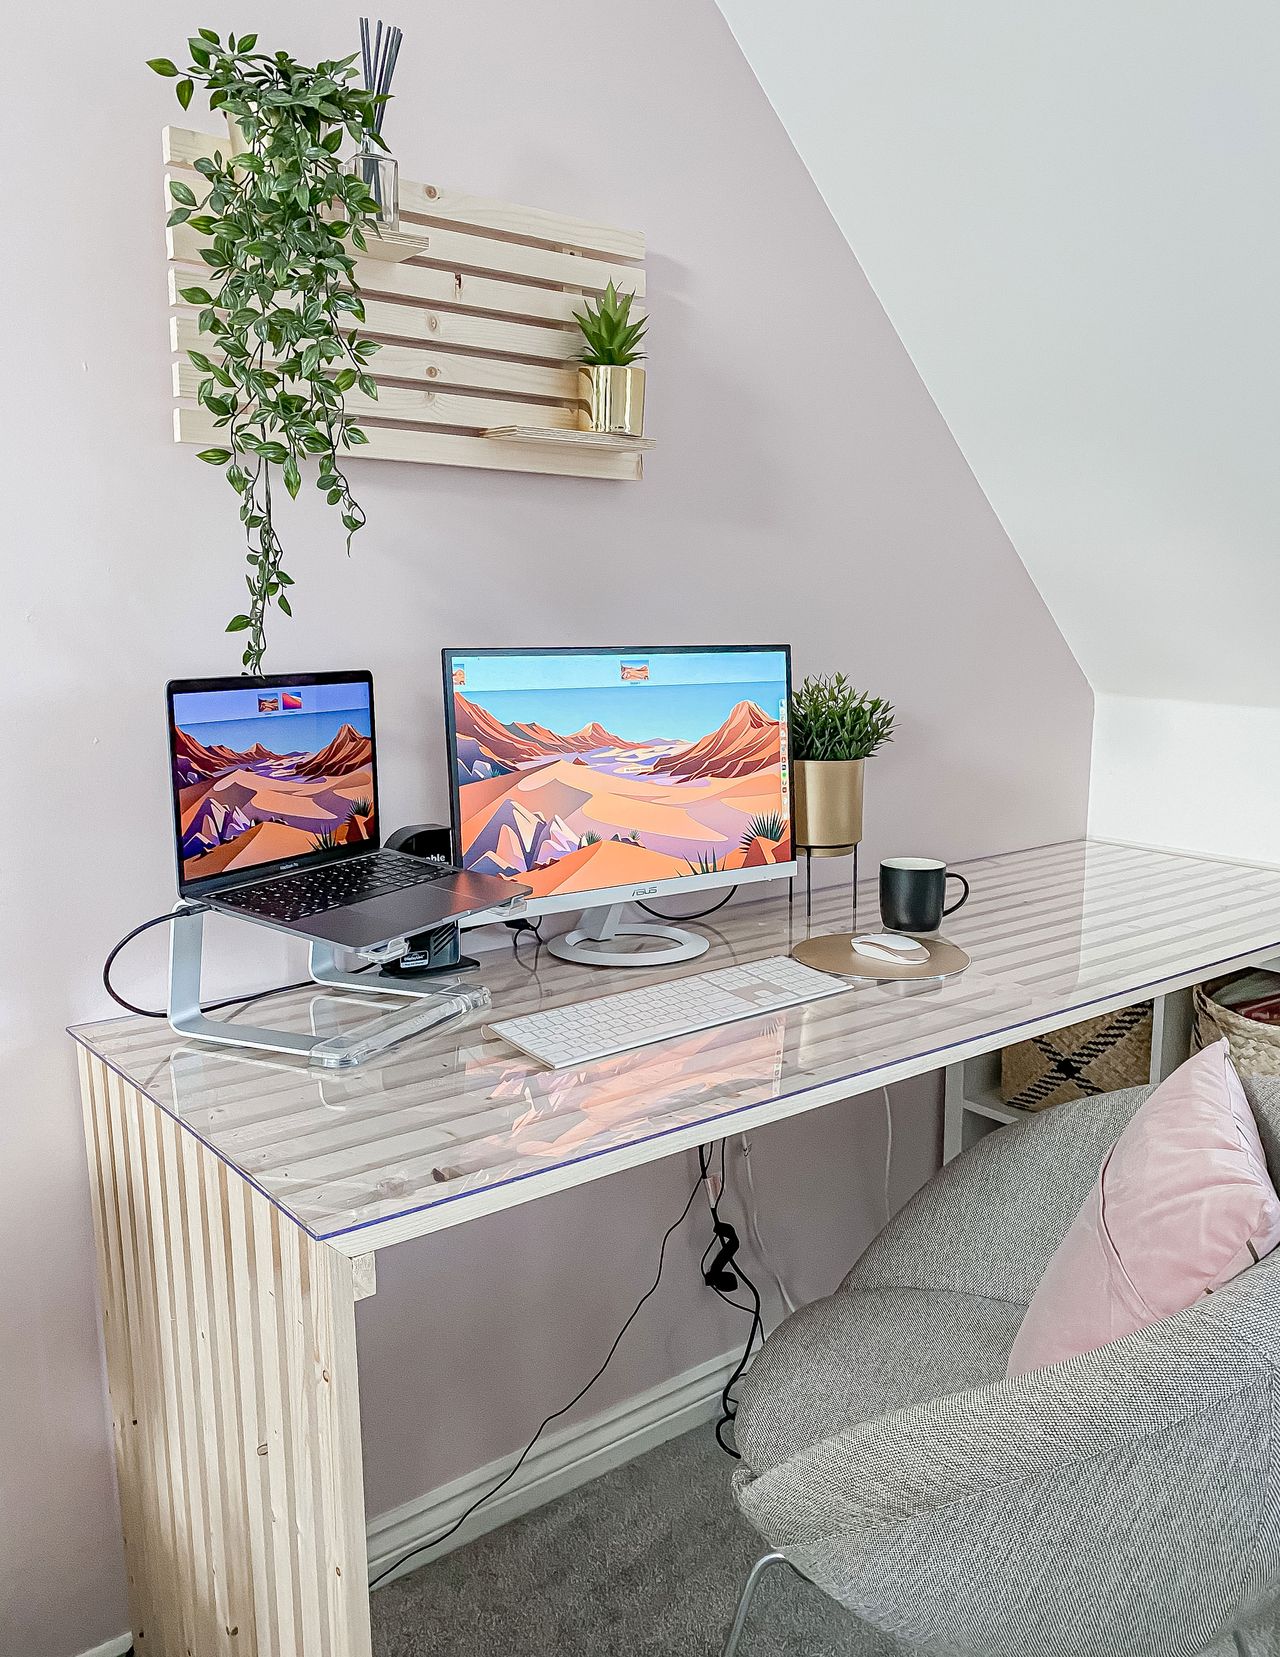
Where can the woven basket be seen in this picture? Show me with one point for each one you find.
(1255, 1047)
(1098, 1056)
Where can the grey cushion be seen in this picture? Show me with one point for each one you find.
(1126, 1501)
(863, 1353)
(1264, 1097)
(989, 1221)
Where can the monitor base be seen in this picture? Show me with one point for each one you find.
(588, 943)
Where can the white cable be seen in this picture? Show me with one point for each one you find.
(888, 1155)
(753, 1227)
(753, 1210)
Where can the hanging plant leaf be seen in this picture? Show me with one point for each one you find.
(277, 309)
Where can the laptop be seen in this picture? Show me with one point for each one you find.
(275, 813)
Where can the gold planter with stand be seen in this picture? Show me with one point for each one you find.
(615, 397)
(828, 805)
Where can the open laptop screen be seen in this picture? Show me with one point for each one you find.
(270, 772)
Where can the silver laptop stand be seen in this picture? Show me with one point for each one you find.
(186, 1016)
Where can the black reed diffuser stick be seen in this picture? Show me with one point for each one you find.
(378, 54)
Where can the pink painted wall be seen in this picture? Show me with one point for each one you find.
(804, 486)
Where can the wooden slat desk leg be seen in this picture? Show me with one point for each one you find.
(231, 1357)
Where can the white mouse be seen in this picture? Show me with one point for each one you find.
(890, 946)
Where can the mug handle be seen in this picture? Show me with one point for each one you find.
(960, 901)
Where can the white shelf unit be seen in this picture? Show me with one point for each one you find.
(972, 1106)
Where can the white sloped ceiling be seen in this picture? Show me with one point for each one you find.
(1072, 215)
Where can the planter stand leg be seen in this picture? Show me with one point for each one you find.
(855, 888)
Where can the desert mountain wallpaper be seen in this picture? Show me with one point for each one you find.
(584, 809)
(241, 807)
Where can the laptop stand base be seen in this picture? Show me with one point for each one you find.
(186, 1016)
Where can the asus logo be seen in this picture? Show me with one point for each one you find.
(643, 891)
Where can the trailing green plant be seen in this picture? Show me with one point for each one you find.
(277, 224)
(611, 337)
(763, 826)
(832, 720)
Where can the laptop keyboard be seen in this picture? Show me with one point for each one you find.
(335, 886)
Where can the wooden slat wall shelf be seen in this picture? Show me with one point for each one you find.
(473, 304)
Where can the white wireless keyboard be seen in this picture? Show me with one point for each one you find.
(587, 1030)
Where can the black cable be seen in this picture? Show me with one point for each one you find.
(156, 920)
(727, 1401)
(493, 1490)
(523, 928)
(697, 914)
(240, 1001)
(728, 1404)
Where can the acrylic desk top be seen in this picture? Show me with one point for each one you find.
(458, 1124)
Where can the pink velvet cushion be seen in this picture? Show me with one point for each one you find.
(1182, 1205)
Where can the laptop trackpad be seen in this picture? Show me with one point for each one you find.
(399, 914)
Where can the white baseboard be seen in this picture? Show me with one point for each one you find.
(111, 1648)
(558, 1463)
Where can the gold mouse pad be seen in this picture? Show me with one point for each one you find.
(835, 953)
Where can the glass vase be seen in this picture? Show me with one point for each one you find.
(380, 174)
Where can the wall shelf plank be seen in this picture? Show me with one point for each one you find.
(441, 447)
(570, 438)
(473, 306)
(393, 247)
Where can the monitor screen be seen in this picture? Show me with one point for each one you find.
(267, 772)
(580, 771)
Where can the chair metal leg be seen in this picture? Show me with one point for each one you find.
(763, 1564)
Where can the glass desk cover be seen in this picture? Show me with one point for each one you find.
(453, 1125)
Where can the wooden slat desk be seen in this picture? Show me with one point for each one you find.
(239, 1201)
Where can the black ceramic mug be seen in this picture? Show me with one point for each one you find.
(913, 893)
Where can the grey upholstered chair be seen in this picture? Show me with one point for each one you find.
(1123, 1504)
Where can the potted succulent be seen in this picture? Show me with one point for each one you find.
(609, 381)
(279, 220)
(834, 729)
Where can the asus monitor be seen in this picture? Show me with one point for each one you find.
(602, 777)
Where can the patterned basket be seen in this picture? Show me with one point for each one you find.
(1094, 1057)
(1255, 1047)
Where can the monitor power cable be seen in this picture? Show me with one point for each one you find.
(695, 915)
(488, 1495)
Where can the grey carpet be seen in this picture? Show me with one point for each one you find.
(644, 1562)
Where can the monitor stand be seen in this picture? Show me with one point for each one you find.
(587, 942)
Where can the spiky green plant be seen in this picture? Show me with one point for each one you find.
(763, 826)
(590, 838)
(708, 863)
(325, 841)
(611, 336)
(832, 720)
(361, 808)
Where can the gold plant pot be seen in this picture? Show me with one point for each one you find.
(827, 805)
(615, 397)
